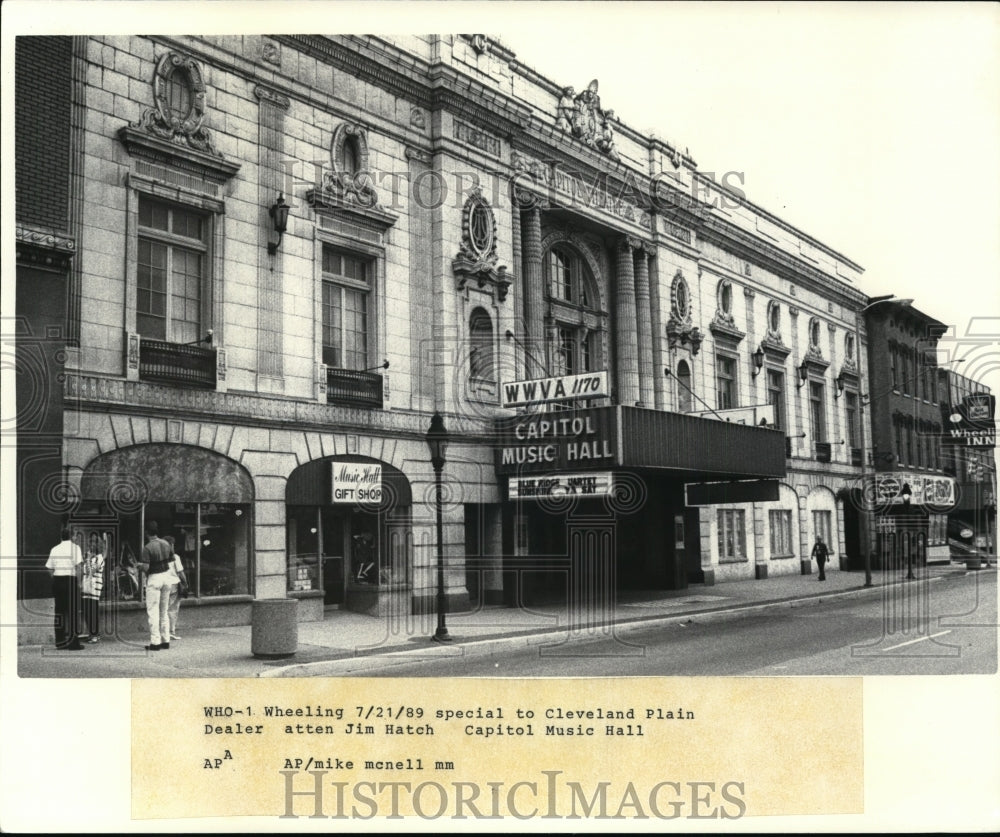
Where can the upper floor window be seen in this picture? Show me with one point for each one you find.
(817, 411)
(171, 272)
(725, 377)
(481, 346)
(851, 406)
(346, 307)
(684, 397)
(567, 278)
(776, 396)
(575, 341)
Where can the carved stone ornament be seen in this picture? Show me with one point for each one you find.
(417, 118)
(581, 115)
(680, 331)
(724, 323)
(480, 43)
(179, 97)
(350, 184)
(814, 351)
(476, 259)
(270, 51)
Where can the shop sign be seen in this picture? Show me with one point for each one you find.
(971, 422)
(356, 482)
(596, 484)
(925, 489)
(557, 441)
(551, 390)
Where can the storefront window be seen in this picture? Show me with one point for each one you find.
(211, 539)
(732, 537)
(822, 527)
(781, 533)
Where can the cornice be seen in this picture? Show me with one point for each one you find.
(44, 249)
(367, 62)
(142, 144)
(749, 246)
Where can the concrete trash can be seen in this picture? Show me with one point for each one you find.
(274, 628)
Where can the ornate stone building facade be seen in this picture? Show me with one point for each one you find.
(291, 251)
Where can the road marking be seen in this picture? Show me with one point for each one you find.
(921, 639)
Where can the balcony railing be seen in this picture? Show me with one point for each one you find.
(358, 389)
(176, 363)
(822, 451)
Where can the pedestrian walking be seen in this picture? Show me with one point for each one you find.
(178, 590)
(820, 553)
(93, 584)
(155, 562)
(64, 567)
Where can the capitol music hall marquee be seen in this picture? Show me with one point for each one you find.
(610, 491)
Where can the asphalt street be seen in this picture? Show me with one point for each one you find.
(939, 626)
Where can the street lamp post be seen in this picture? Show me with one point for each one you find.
(437, 440)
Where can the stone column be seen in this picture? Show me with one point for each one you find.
(534, 292)
(625, 326)
(660, 394)
(645, 324)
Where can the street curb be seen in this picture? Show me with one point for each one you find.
(490, 645)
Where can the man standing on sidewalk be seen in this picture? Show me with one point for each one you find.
(155, 561)
(820, 553)
(64, 565)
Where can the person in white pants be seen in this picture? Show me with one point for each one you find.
(155, 561)
(180, 584)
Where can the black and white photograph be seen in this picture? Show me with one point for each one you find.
(649, 341)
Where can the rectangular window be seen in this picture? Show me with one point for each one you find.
(346, 289)
(937, 529)
(894, 366)
(776, 396)
(566, 360)
(732, 537)
(725, 376)
(851, 407)
(170, 272)
(781, 533)
(817, 411)
(822, 527)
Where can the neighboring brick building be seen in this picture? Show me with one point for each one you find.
(904, 402)
(237, 385)
(47, 232)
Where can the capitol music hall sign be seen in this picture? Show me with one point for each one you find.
(557, 441)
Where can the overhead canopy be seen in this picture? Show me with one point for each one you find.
(166, 473)
(309, 484)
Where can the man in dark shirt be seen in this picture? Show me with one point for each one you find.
(155, 562)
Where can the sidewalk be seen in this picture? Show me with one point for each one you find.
(346, 643)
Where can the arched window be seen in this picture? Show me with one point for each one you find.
(684, 404)
(578, 323)
(481, 367)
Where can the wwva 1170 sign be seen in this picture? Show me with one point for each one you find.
(560, 388)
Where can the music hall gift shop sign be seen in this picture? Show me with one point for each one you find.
(356, 482)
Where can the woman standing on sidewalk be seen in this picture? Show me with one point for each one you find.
(93, 584)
